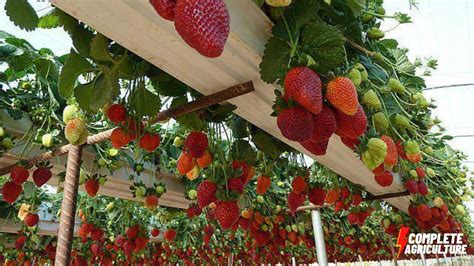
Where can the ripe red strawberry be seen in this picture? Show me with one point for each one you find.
(120, 138)
(227, 213)
(95, 249)
(31, 219)
(411, 186)
(392, 154)
(149, 142)
(196, 144)
(164, 8)
(140, 243)
(92, 187)
(420, 172)
(342, 94)
(351, 126)
(385, 179)
(263, 183)
(353, 218)
(203, 24)
(316, 148)
(11, 192)
(97, 234)
(379, 170)
(193, 211)
(206, 193)
(356, 199)
(296, 124)
(423, 213)
(317, 196)
(295, 200)
(236, 185)
(325, 125)
(304, 87)
(128, 247)
(345, 193)
(422, 188)
(401, 150)
(116, 113)
(155, 232)
(41, 176)
(19, 174)
(414, 158)
(349, 142)
(133, 231)
(339, 206)
(299, 185)
(151, 202)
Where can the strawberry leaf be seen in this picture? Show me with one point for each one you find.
(145, 102)
(74, 66)
(22, 14)
(275, 60)
(99, 48)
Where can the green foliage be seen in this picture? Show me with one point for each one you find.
(144, 101)
(22, 14)
(74, 67)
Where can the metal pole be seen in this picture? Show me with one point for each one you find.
(319, 238)
(68, 207)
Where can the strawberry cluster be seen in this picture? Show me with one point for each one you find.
(195, 155)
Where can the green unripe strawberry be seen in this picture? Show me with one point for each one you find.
(428, 150)
(371, 99)
(109, 206)
(380, 11)
(178, 142)
(264, 227)
(366, 18)
(280, 183)
(47, 140)
(430, 172)
(375, 153)
(192, 194)
(160, 190)
(278, 208)
(76, 131)
(288, 228)
(396, 86)
(438, 202)
(70, 112)
(363, 72)
(82, 176)
(355, 76)
(294, 227)
(460, 209)
(413, 174)
(386, 223)
(102, 162)
(379, 58)
(7, 143)
(375, 34)
(25, 85)
(401, 121)
(381, 121)
(260, 199)
(2, 132)
(398, 218)
(102, 180)
(112, 152)
(140, 191)
(412, 147)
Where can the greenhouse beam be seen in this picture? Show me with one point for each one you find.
(319, 237)
(388, 195)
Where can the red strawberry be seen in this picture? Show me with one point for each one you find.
(193, 211)
(356, 199)
(423, 213)
(95, 249)
(19, 174)
(149, 142)
(203, 24)
(317, 196)
(401, 150)
(299, 185)
(379, 169)
(414, 158)
(392, 154)
(97, 234)
(263, 183)
(151, 202)
(196, 144)
(120, 138)
(227, 213)
(351, 126)
(411, 186)
(342, 94)
(349, 142)
(31, 219)
(128, 247)
(116, 113)
(164, 8)
(338, 206)
(206, 193)
(296, 124)
(353, 218)
(92, 187)
(236, 184)
(11, 192)
(325, 125)
(385, 179)
(295, 200)
(345, 193)
(140, 243)
(155, 232)
(304, 87)
(41, 176)
(133, 231)
(420, 172)
(422, 188)
(316, 148)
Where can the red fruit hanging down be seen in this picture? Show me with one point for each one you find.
(133, 231)
(19, 174)
(296, 124)
(316, 148)
(31, 219)
(11, 192)
(206, 193)
(422, 188)
(263, 183)
(196, 144)
(420, 172)
(412, 209)
(342, 94)
(411, 186)
(379, 170)
(356, 199)
(236, 185)
(193, 211)
(92, 187)
(423, 213)
(325, 125)
(401, 150)
(41, 176)
(392, 154)
(149, 142)
(353, 218)
(203, 24)
(304, 87)
(349, 142)
(151, 202)
(299, 185)
(155, 232)
(164, 8)
(116, 113)
(120, 138)
(227, 213)
(351, 126)
(385, 179)
(295, 200)
(128, 247)
(97, 234)
(345, 193)
(317, 196)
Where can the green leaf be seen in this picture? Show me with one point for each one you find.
(82, 38)
(22, 14)
(239, 127)
(356, 6)
(241, 150)
(325, 44)
(268, 144)
(275, 60)
(49, 21)
(8, 49)
(83, 95)
(46, 68)
(300, 13)
(106, 87)
(144, 102)
(74, 66)
(389, 43)
(68, 22)
(99, 48)
(29, 189)
(402, 62)
(168, 86)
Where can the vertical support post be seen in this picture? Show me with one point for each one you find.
(68, 207)
(319, 238)
(392, 249)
